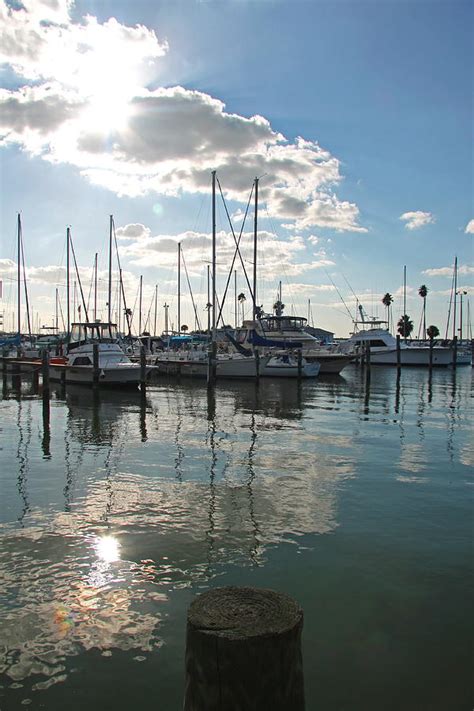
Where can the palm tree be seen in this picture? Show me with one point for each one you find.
(278, 307)
(432, 332)
(387, 302)
(423, 292)
(405, 326)
(184, 328)
(241, 299)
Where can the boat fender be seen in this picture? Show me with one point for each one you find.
(102, 374)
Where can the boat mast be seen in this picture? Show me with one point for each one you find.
(109, 302)
(455, 294)
(166, 307)
(56, 320)
(68, 309)
(255, 252)
(140, 307)
(179, 288)
(95, 287)
(235, 297)
(156, 305)
(208, 300)
(19, 273)
(213, 256)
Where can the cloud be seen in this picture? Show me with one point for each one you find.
(463, 269)
(86, 103)
(470, 227)
(133, 231)
(417, 219)
(276, 256)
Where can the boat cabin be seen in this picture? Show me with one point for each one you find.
(282, 323)
(94, 331)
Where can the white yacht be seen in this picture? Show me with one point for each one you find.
(115, 368)
(288, 332)
(383, 349)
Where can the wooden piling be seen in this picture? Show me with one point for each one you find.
(35, 379)
(257, 363)
(211, 363)
(399, 354)
(455, 351)
(243, 651)
(367, 355)
(142, 368)
(300, 363)
(431, 354)
(95, 365)
(45, 373)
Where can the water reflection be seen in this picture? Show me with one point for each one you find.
(167, 490)
(24, 441)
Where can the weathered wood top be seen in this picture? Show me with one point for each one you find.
(240, 613)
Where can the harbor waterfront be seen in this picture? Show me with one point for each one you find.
(351, 493)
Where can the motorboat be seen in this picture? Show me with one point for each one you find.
(383, 349)
(194, 362)
(288, 332)
(77, 365)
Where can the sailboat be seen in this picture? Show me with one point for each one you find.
(77, 365)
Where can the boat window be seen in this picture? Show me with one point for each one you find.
(82, 360)
(376, 343)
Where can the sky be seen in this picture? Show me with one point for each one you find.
(355, 116)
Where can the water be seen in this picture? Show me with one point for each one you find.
(355, 497)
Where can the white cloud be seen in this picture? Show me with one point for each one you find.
(276, 256)
(415, 220)
(470, 227)
(89, 107)
(133, 231)
(448, 271)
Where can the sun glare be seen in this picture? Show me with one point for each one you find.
(107, 548)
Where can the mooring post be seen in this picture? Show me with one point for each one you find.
(399, 355)
(431, 353)
(455, 351)
(211, 363)
(35, 378)
(46, 440)
(95, 365)
(4, 374)
(257, 363)
(45, 373)
(243, 651)
(300, 363)
(142, 368)
(367, 355)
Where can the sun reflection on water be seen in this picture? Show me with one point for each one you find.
(107, 549)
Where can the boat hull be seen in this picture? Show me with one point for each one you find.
(331, 363)
(277, 369)
(417, 357)
(128, 375)
(197, 368)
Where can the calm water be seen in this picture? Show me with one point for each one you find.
(354, 497)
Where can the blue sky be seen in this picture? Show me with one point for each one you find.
(366, 116)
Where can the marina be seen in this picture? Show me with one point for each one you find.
(236, 349)
(352, 493)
